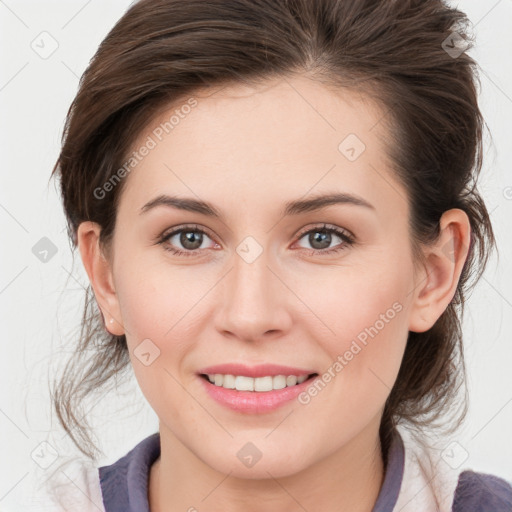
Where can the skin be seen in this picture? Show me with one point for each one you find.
(248, 150)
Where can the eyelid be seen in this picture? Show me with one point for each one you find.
(184, 227)
(327, 227)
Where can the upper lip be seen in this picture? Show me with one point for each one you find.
(260, 370)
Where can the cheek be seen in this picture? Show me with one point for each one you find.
(366, 313)
(154, 305)
(161, 307)
(369, 317)
(156, 299)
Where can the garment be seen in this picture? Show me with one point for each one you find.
(415, 481)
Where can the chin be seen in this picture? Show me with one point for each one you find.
(251, 462)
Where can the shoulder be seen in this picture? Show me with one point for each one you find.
(73, 485)
(431, 483)
(124, 484)
(481, 492)
(80, 485)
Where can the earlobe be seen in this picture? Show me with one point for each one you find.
(444, 261)
(99, 270)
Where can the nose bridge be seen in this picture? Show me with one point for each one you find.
(253, 303)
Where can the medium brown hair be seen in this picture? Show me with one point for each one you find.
(394, 51)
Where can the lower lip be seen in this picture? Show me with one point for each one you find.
(254, 401)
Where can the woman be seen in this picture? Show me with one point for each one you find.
(275, 203)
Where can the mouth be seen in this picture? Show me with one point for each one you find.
(255, 388)
(255, 395)
(264, 384)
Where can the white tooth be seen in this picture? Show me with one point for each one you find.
(229, 382)
(291, 380)
(263, 384)
(243, 383)
(279, 382)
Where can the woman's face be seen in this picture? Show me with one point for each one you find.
(266, 283)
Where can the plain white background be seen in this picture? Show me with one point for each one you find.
(41, 301)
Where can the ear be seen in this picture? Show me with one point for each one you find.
(437, 282)
(99, 270)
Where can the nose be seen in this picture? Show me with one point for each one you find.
(253, 301)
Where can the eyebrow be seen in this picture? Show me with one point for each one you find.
(291, 208)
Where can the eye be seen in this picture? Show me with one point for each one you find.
(191, 238)
(321, 237)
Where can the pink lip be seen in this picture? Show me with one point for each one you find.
(260, 370)
(254, 401)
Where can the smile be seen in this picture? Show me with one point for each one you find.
(258, 384)
(252, 395)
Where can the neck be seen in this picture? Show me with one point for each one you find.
(347, 480)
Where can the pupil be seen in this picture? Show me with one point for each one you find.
(324, 238)
(187, 239)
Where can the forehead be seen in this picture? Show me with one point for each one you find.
(272, 142)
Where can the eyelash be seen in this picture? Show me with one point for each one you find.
(348, 239)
